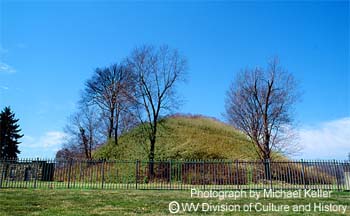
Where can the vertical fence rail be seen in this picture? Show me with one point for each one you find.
(174, 175)
(303, 173)
(103, 174)
(1, 174)
(69, 172)
(137, 173)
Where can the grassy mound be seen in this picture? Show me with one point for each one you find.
(182, 137)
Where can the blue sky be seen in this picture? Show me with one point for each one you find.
(48, 50)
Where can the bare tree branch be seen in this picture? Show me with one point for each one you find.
(260, 103)
(84, 134)
(158, 70)
(112, 90)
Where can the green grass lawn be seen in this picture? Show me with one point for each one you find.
(131, 202)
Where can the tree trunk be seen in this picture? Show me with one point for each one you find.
(91, 140)
(85, 142)
(267, 166)
(116, 128)
(267, 170)
(151, 157)
(111, 124)
(152, 147)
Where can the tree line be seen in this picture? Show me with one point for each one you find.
(141, 89)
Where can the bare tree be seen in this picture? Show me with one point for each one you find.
(84, 133)
(112, 90)
(157, 70)
(260, 103)
(67, 152)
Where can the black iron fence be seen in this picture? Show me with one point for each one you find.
(174, 175)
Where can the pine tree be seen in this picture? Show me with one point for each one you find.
(9, 134)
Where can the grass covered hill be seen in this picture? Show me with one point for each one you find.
(182, 137)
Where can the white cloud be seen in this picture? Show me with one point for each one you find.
(5, 68)
(4, 87)
(328, 140)
(50, 140)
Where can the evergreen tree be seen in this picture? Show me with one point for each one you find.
(9, 134)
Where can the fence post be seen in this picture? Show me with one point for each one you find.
(270, 176)
(69, 171)
(103, 173)
(237, 174)
(303, 173)
(336, 174)
(137, 173)
(170, 173)
(2, 171)
(203, 175)
(36, 171)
